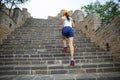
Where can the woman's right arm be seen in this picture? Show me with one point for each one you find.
(73, 23)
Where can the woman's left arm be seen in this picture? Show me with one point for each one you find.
(73, 23)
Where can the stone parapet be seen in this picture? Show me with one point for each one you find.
(106, 36)
(20, 16)
(7, 25)
(10, 23)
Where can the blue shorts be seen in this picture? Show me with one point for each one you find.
(68, 31)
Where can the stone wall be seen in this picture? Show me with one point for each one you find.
(106, 36)
(10, 23)
(90, 24)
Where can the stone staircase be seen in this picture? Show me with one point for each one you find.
(34, 52)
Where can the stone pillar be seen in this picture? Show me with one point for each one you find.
(7, 25)
(97, 21)
(17, 16)
(77, 16)
(26, 14)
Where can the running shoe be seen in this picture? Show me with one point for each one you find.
(65, 49)
(72, 63)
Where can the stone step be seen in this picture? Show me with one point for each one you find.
(37, 28)
(51, 61)
(44, 51)
(50, 50)
(43, 24)
(43, 43)
(63, 66)
(88, 76)
(60, 55)
(40, 46)
(37, 23)
(55, 69)
(49, 54)
(35, 31)
(78, 62)
(45, 39)
(64, 60)
(54, 60)
(48, 38)
(46, 42)
(52, 43)
(84, 66)
(49, 35)
(42, 29)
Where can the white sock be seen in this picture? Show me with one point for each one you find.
(65, 45)
(72, 59)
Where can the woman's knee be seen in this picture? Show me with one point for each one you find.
(71, 44)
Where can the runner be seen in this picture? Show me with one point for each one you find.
(68, 32)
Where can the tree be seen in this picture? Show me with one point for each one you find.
(106, 11)
(91, 8)
(11, 4)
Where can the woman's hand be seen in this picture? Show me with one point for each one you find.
(60, 29)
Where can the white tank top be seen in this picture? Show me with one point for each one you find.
(67, 23)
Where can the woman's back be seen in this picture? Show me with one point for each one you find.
(67, 22)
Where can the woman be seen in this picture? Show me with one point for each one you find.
(68, 32)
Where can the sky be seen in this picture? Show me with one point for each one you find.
(45, 8)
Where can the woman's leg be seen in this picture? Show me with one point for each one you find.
(65, 44)
(71, 46)
(64, 41)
